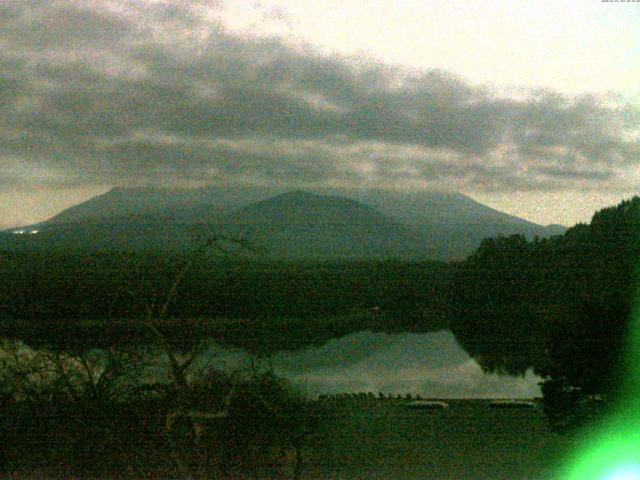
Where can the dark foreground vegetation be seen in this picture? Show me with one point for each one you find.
(118, 386)
(98, 415)
(271, 432)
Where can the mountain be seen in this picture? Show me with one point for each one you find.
(179, 205)
(133, 203)
(436, 208)
(454, 223)
(306, 225)
(123, 219)
(298, 224)
(136, 219)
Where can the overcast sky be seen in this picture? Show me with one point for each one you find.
(531, 107)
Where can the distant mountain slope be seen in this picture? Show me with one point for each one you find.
(454, 223)
(306, 225)
(354, 224)
(123, 203)
(170, 204)
(126, 219)
(304, 208)
(85, 237)
(442, 208)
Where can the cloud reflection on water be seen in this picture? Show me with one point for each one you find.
(431, 364)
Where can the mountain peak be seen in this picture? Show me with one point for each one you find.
(305, 195)
(299, 206)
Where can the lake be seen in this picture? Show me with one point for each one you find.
(382, 439)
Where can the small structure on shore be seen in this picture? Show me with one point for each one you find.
(511, 403)
(427, 405)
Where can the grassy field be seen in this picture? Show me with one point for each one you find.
(382, 439)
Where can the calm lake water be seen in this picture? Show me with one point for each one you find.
(374, 439)
(382, 439)
(429, 364)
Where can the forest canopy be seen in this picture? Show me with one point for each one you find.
(561, 305)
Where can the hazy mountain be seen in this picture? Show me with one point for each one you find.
(180, 205)
(133, 203)
(434, 208)
(356, 224)
(454, 223)
(306, 225)
(130, 219)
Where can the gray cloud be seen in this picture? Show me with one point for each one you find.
(128, 92)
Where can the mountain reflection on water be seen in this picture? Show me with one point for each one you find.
(427, 364)
(430, 364)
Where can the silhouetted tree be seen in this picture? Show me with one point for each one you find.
(561, 306)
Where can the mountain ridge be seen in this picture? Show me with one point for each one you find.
(331, 223)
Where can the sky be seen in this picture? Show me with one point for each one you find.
(530, 107)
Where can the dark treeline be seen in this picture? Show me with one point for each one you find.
(278, 303)
(561, 305)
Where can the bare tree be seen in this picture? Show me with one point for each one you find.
(183, 411)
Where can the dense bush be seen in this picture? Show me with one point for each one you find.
(250, 423)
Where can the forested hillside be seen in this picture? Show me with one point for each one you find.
(561, 305)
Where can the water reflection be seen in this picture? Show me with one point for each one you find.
(431, 365)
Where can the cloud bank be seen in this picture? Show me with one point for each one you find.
(138, 92)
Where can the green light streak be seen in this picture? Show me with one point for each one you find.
(610, 449)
